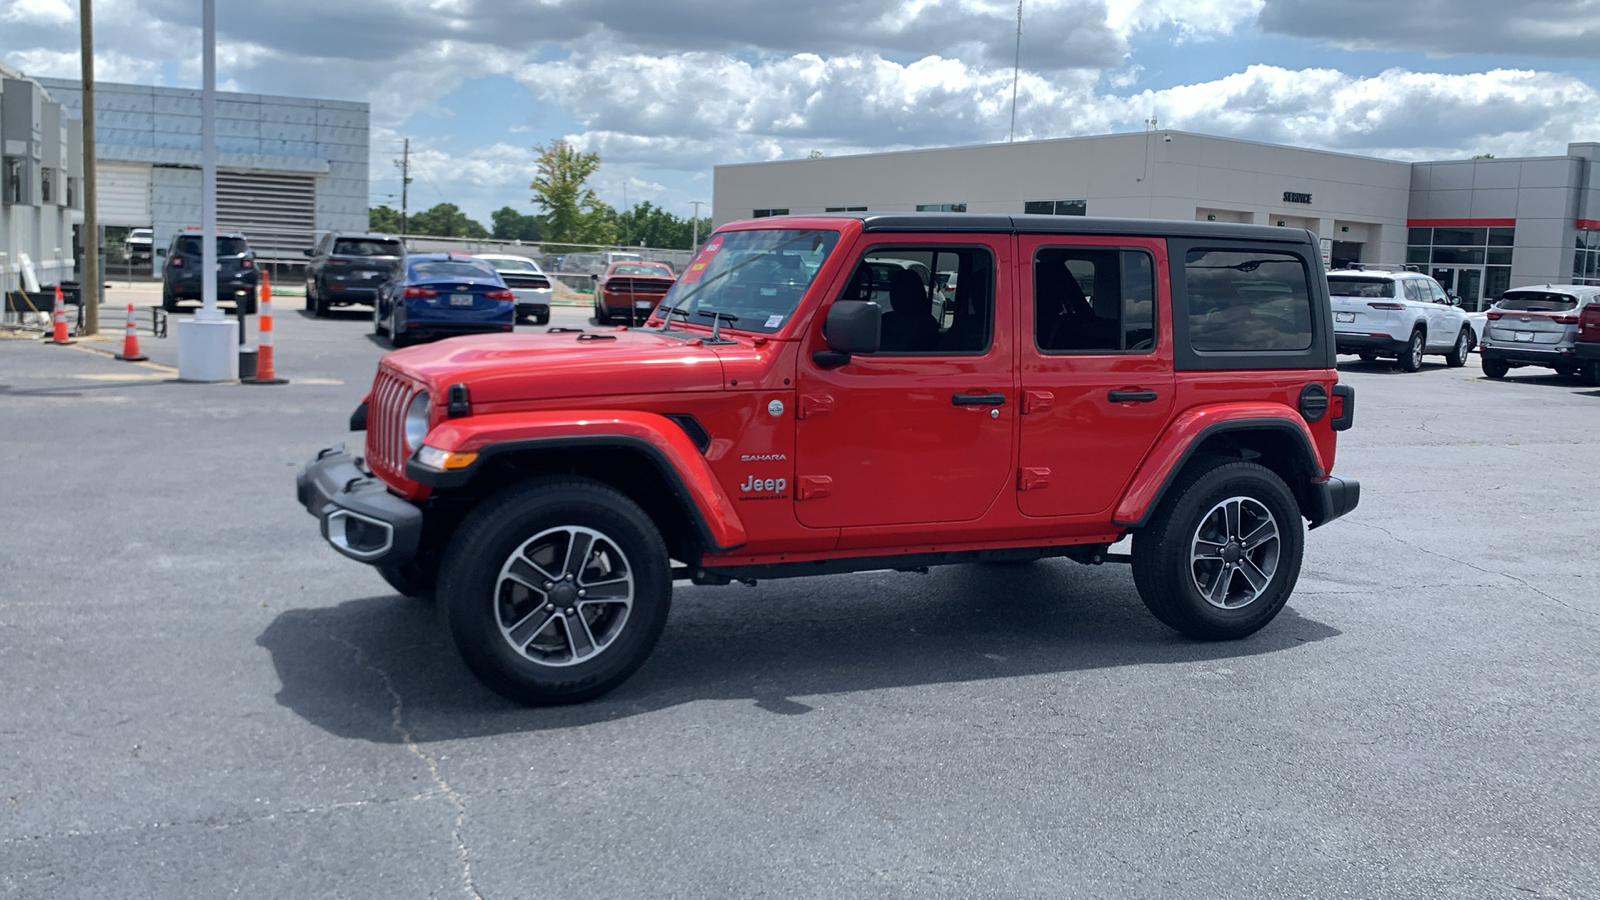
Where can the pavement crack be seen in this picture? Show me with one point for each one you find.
(1477, 568)
(442, 787)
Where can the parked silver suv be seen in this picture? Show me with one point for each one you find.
(1536, 326)
(1402, 315)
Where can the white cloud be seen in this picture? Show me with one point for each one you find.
(38, 12)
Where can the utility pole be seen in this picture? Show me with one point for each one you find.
(695, 242)
(89, 289)
(1016, 71)
(404, 162)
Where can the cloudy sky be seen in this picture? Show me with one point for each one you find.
(666, 90)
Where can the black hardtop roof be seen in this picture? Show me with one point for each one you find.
(1041, 224)
(365, 236)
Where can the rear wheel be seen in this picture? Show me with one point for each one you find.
(1367, 356)
(311, 296)
(1411, 357)
(555, 591)
(1457, 357)
(168, 301)
(1495, 368)
(320, 309)
(601, 317)
(1223, 552)
(541, 318)
(1590, 373)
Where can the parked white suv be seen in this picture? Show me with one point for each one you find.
(1402, 315)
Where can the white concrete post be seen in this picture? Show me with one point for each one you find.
(208, 342)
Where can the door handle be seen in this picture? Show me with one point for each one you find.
(978, 399)
(1131, 396)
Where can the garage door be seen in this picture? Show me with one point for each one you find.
(277, 212)
(123, 196)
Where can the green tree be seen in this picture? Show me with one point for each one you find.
(384, 219)
(510, 225)
(572, 211)
(445, 220)
(653, 226)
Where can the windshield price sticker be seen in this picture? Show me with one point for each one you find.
(774, 321)
(698, 268)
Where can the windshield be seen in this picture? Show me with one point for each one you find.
(756, 276)
(366, 247)
(512, 264)
(1361, 287)
(1538, 301)
(450, 268)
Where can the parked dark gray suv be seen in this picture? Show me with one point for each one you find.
(348, 268)
(237, 275)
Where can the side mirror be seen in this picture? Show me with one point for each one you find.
(852, 326)
(1453, 299)
(308, 251)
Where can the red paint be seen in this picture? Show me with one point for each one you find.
(1589, 224)
(1461, 223)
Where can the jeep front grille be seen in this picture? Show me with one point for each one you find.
(386, 425)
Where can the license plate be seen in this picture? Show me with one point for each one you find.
(1524, 336)
(1344, 317)
(643, 304)
(369, 274)
(460, 299)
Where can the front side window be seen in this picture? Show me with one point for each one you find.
(935, 301)
(750, 280)
(1247, 301)
(1093, 300)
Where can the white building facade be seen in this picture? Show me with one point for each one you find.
(41, 172)
(288, 168)
(1479, 226)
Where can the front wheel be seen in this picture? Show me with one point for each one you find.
(1411, 357)
(1457, 357)
(556, 591)
(1495, 368)
(1223, 552)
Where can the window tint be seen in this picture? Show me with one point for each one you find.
(226, 246)
(1093, 300)
(1537, 301)
(366, 247)
(452, 268)
(652, 271)
(1361, 287)
(1247, 301)
(936, 301)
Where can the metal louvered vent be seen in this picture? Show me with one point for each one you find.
(276, 212)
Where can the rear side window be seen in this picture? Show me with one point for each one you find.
(1247, 301)
(1093, 300)
(1361, 287)
(366, 247)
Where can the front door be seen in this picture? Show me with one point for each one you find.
(1466, 283)
(922, 430)
(1096, 363)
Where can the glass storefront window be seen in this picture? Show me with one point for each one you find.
(1420, 236)
(1502, 237)
(1416, 254)
(1461, 237)
(1499, 256)
(1461, 256)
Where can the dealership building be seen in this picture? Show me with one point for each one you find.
(1480, 226)
(287, 167)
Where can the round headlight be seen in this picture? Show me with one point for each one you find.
(417, 420)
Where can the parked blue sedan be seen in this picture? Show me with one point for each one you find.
(440, 294)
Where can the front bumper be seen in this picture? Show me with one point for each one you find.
(1334, 498)
(358, 515)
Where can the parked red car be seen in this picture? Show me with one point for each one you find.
(630, 290)
(1587, 349)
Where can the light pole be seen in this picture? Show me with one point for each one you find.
(207, 342)
(695, 241)
(89, 289)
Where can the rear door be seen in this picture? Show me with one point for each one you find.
(922, 434)
(1096, 368)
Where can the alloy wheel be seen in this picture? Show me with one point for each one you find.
(564, 596)
(1234, 552)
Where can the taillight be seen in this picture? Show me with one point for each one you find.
(501, 295)
(177, 262)
(1566, 320)
(421, 292)
(1494, 316)
(1387, 305)
(247, 263)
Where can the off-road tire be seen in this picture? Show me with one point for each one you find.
(482, 606)
(1410, 359)
(1495, 368)
(1457, 357)
(1163, 566)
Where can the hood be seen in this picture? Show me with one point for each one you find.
(542, 366)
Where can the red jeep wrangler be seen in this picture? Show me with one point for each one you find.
(799, 404)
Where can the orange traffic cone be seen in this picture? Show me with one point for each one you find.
(130, 341)
(264, 370)
(59, 334)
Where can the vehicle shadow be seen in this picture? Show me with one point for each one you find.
(1384, 365)
(367, 667)
(337, 314)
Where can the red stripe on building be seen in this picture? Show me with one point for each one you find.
(1591, 224)
(1461, 223)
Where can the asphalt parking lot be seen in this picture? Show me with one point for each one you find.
(202, 699)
